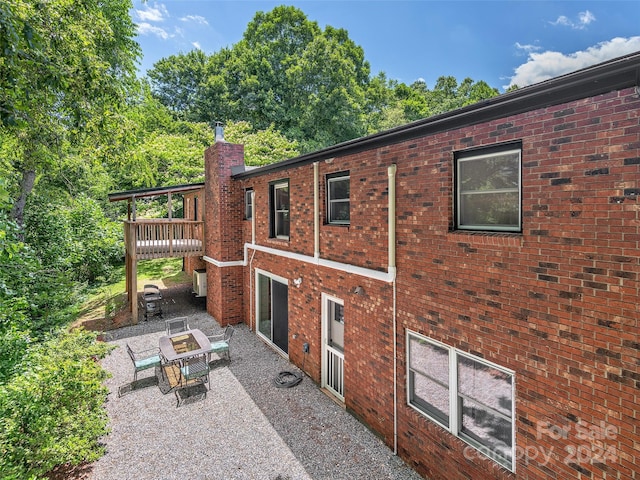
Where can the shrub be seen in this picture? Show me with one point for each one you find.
(51, 410)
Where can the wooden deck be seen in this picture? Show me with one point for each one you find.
(161, 238)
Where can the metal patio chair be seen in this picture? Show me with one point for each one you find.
(220, 343)
(176, 325)
(143, 360)
(194, 373)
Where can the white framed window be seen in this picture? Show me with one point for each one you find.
(248, 204)
(279, 209)
(488, 193)
(338, 201)
(467, 395)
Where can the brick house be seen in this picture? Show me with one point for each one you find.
(466, 285)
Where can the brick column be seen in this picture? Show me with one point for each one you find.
(224, 204)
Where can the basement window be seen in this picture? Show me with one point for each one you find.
(488, 189)
(467, 395)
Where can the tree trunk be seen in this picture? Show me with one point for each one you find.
(26, 186)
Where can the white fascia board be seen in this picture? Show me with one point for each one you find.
(342, 267)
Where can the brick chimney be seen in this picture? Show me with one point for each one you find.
(224, 203)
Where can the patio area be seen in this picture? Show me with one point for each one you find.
(245, 427)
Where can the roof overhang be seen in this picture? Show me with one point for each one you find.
(152, 192)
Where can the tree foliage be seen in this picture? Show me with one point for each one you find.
(51, 411)
(64, 63)
(312, 85)
(308, 83)
(260, 147)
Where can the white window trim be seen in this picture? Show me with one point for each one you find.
(490, 228)
(248, 203)
(276, 187)
(454, 421)
(330, 200)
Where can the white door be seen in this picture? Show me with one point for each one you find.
(333, 345)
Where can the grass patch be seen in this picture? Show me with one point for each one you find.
(107, 300)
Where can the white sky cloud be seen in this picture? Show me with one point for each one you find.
(528, 48)
(195, 19)
(148, 29)
(545, 65)
(196, 45)
(156, 13)
(584, 19)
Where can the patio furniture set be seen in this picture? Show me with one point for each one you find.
(184, 356)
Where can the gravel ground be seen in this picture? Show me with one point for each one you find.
(245, 428)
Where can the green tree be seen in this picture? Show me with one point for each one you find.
(261, 147)
(178, 80)
(308, 83)
(65, 62)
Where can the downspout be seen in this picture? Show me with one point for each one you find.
(253, 217)
(316, 212)
(253, 242)
(391, 171)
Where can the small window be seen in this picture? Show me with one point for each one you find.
(488, 190)
(470, 397)
(338, 202)
(336, 325)
(248, 204)
(279, 209)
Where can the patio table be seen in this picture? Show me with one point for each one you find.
(185, 344)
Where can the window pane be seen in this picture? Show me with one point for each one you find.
(282, 198)
(429, 378)
(264, 305)
(429, 359)
(430, 397)
(490, 209)
(339, 189)
(486, 403)
(485, 384)
(486, 428)
(489, 191)
(339, 211)
(336, 325)
(490, 173)
(282, 224)
(248, 213)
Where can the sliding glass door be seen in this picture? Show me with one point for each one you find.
(272, 309)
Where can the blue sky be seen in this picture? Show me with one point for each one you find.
(501, 42)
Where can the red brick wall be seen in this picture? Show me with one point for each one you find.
(223, 232)
(557, 304)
